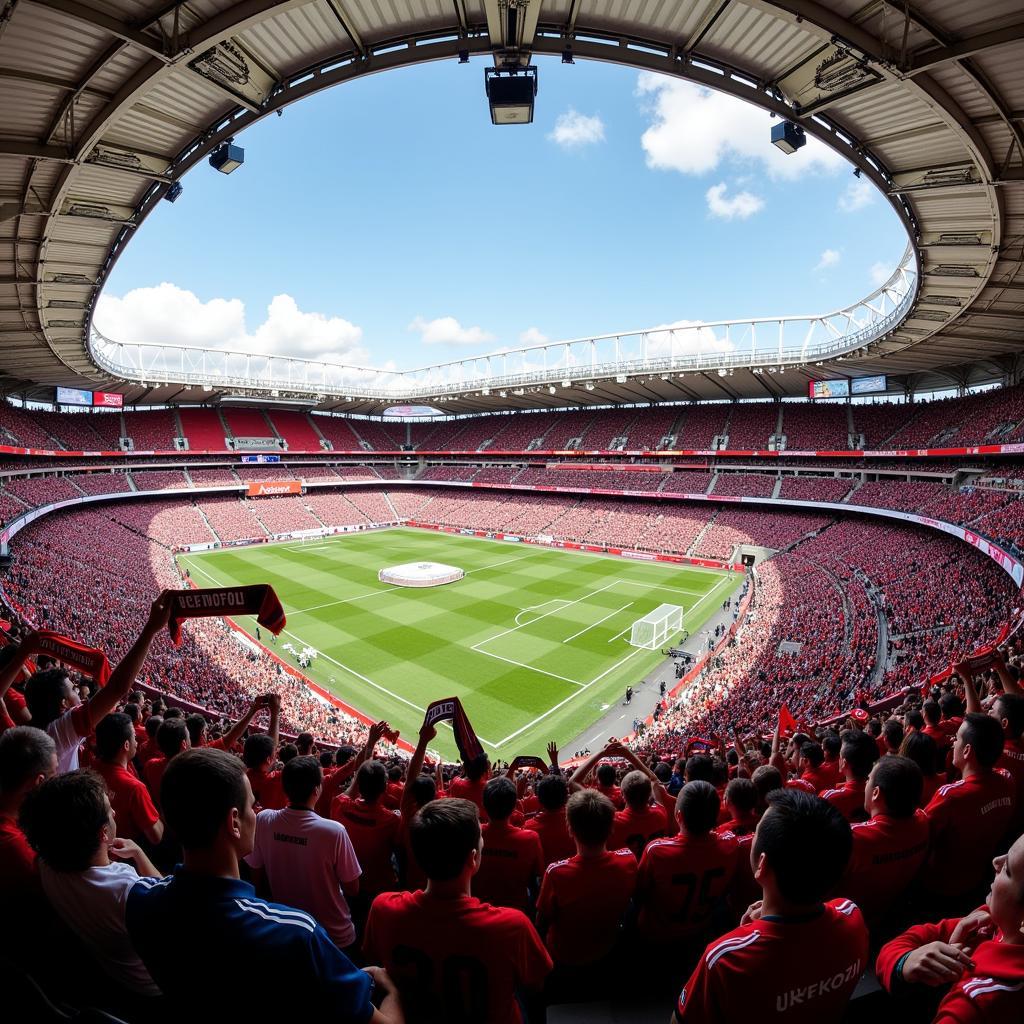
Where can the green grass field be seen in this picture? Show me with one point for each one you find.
(533, 640)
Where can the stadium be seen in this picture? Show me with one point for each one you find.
(480, 689)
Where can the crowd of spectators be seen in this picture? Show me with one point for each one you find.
(745, 485)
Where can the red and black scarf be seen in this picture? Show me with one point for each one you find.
(90, 661)
(450, 710)
(258, 599)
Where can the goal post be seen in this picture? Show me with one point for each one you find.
(657, 627)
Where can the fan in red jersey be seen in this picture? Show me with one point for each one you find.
(453, 957)
(859, 753)
(793, 954)
(981, 957)
(513, 859)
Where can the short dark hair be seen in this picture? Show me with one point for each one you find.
(153, 724)
(699, 767)
(44, 693)
(812, 752)
(901, 781)
(300, 777)
(499, 798)
(305, 742)
(133, 712)
(423, 789)
(62, 819)
(590, 816)
(932, 712)
(860, 752)
(198, 790)
(326, 759)
(636, 789)
(892, 731)
(257, 749)
(606, 774)
(25, 752)
(951, 705)
(552, 792)
(196, 725)
(914, 719)
(177, 713)
(920, 748)
(171, 736)
(1011, 707)
(112, 733)
(806, 842)
(742, 794)
(287, 752)
(442, 834)
(371, 780)
(476, 767)
(985, 735)
(698, 804)
(831, 743)
(766, 779)
(344, 754)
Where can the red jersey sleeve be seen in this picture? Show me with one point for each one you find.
(533, 963)
(142, 809)
(696, 1003)
(546, 901)
(913, 938)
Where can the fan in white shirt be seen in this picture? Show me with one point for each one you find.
(307, 861)
(70, 824)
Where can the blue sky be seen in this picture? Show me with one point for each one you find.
(388, 222)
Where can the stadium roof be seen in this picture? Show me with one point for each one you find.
(106, 103)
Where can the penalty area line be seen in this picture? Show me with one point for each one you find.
(628, 604)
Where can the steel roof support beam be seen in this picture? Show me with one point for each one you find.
(928, 59)
(120, 29)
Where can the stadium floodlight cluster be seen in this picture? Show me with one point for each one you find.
(657, 627)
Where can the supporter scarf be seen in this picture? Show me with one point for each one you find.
(258, 599)
(787, 723)
(89, 661)
(450, 710)
(977, 661)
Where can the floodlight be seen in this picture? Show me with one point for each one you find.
(510, 93)
(788, 136)
(173, 192)
(567, 57)
(551, 389)
(620, 379)
(463, 56)
(227, 158)
(589, 386)
(566, 383)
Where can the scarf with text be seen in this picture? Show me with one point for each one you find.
(450, 710)
(90, 661)
(258, 599)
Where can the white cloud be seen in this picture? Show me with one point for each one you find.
(694, 129)
(167, 313)
(446, 330)
(829, 258)
(881, 272)
(858, 194)
(573, 130)
(741, 205)
(532, 336)
(685, 337)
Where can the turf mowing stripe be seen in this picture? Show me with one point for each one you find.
(542, 671)
(598, 623)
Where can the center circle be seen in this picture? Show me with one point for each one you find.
(420, 574)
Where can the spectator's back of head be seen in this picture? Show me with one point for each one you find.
(606, 775)
(114, 734)
(636, 790)
(922, 750)
(590, 816)
(28, 756)
(985, 736)
(892, 733)
(741, 795)
(813, 754)
(914, 719)
(258, 750)
(344, 754)
(371, 780)
(48, 695)
(476, 767)
(699, 768)
(64, 819)
(499, 798)
(552, 792)
(899, 781)
(305, 742)
(287, 752)
(200, 790)
(326, 760)
(860, 752)
(766, 779)
(805, 844)
(172, 737)
(932, 712)
(831, 744)
(153, 724)
(698, 805)
(443, 835)
(301, 777)
(951, 706)
(423, 789)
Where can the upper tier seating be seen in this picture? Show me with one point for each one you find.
(296, 429)
(246, 422)
(152, 431)
(701, 424)
(339, 432)
(755, 485)
(752, 424)
(203, 428)
(821, 426)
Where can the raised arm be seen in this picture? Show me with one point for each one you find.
(122, 679)
(427, 733)
(1010, 685)
(274, 703)
(373, 736)
(13, 668)
(971, 698)
(234, 734)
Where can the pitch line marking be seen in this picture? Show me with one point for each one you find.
(531, 668)
(352, 671)
(568, 604)
(629, 604)
(534, 607)
(494, 565)
(623, 633)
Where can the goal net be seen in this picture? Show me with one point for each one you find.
(657, 627)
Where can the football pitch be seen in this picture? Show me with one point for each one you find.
(534, 640)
